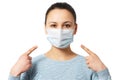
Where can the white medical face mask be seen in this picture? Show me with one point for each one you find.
(60, 38)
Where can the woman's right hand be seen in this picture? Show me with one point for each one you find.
(23, 63)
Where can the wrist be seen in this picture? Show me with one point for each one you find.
(102, 67)
(15, 72)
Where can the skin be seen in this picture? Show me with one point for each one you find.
(58, 19)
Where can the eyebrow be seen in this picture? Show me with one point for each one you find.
(52, 22)
(63, 22)
(68, 22)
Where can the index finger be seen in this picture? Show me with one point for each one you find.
(31, 50)
(87, 50)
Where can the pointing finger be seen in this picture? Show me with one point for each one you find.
(87, 50)
(31, 50)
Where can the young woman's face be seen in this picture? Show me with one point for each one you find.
(60, 19)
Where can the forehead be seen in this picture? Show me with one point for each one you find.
(59, 15)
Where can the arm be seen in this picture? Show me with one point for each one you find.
(101, 75)
(23, 76)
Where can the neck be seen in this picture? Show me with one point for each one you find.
(60, 54)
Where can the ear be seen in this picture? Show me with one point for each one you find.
(45, 29)
(75, 28)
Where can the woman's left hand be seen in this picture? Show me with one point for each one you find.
(93, 61)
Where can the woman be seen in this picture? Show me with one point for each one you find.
(60, 62)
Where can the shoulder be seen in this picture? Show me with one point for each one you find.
(37, 59)
(37, 62)
(81, 61)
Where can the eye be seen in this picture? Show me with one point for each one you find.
(53, 26)
(67, 25)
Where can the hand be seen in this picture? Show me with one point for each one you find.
(93, 61)
(23, 63)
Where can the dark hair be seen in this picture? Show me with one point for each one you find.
(61, 5)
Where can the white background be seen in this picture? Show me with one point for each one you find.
(22, 26)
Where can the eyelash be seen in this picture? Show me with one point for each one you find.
(53, 26)
(67, 25)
